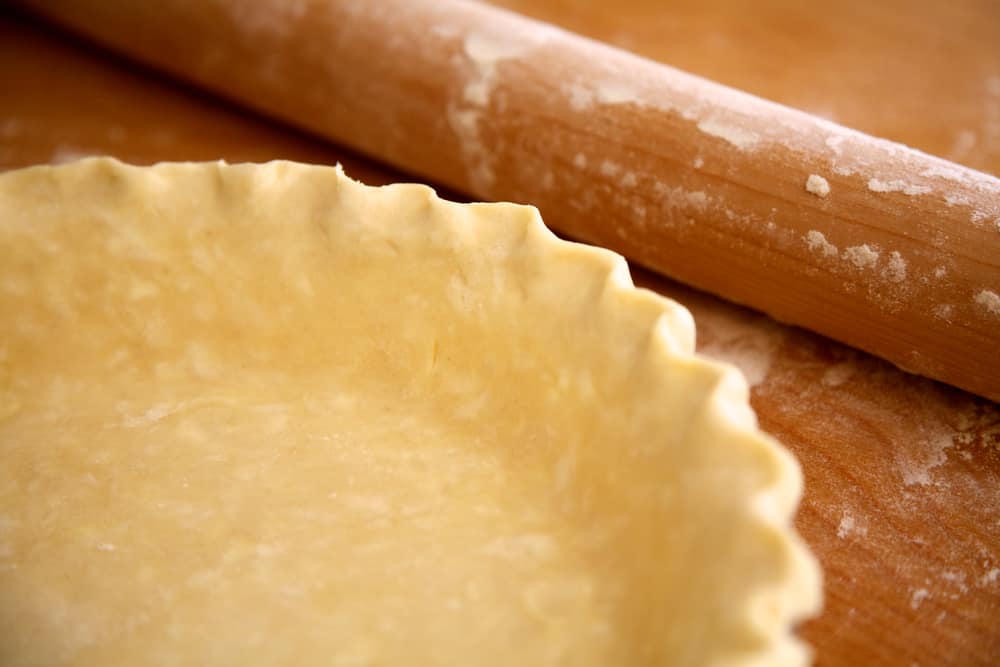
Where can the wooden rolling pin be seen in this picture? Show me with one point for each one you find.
(869, 242)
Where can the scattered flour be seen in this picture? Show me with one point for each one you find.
(862, 256)
(580, 97)
(943, 311)
(934, 448)
(483, 54)
(838, 374)
(677, 198)
(876, 185)
(616, 93)
(956, 578)
(580, 161)
(444, 31)
(749, 343)
(817, 243)
(486, 51)
(817, 185)
(834, 143)
(849, 525)
(978, 217)
(896, 269)
(944, 171)
(989, 300)
(742, 138)
(610, 169)
(583, 97)
(918, 597)
(697, 199)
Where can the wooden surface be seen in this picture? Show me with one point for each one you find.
(902, 501)
(699, 182)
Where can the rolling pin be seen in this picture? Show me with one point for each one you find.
(866, 241)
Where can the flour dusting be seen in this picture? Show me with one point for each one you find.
(928, 453)
(817, 185)
(946, 172)
(580, 97)
(849, 526)
(739, 137)
(989, 300)
(876, 185)
(896, 268)
(610, 169)
(835, 143)
(838, 374)
(697, 199)
(957, 579)
(483, 55)
(943, 311)
(616, 93)
(817, 243)
(862, 256)
(749, 342)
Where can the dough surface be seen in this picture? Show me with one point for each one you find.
(263, 414)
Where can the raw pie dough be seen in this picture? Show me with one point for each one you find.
(263, 414)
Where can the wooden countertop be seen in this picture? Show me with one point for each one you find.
(902, 474)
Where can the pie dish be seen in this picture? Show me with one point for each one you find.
(264, 414)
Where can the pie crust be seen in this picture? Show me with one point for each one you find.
(264, 414)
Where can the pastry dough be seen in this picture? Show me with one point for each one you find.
(264, 414)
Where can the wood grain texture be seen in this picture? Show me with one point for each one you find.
(920, 72)
(902, 474)
(700, 182)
